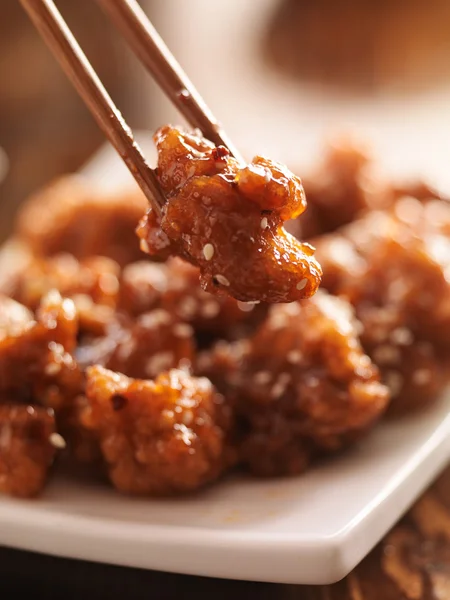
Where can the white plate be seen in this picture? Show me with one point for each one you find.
(311, 529)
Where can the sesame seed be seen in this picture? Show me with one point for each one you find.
(422, 376)
(187, 307)
(52, 368)
(278, 320)
(268, 175)
(245, 306)
(56, 348)
(208, 251)
(280, 386)
(109, 284)
(294, 356)
(363, 367)
(126, 348)
(167, 417)
(262, 377)
(57, 441)
(312, 381)
(143, 245)
(185, 434)
(182, 330)
(301, 284)
(68, 307)
(52, 297)
(155, 318)
(83, 302)
(222, 280)
(394, 381)
(187, 417)
(386, 354)
(159, 362)
(210, 309)
(402, 336)
(264, 223)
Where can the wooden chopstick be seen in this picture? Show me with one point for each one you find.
(66, 49)
(151, 50)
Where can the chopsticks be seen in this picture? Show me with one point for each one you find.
(151, 50)
(62, 43)
(146, 43)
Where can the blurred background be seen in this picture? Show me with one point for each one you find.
(281, 75)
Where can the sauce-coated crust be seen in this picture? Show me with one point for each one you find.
(228, 221)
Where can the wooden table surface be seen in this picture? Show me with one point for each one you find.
(411, 563)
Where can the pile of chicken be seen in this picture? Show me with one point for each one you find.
(166, 373)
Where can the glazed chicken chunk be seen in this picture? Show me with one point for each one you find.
(158, 437)
(301, 386)
(227, 219)
(28, 445)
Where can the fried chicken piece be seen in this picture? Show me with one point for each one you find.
(302, 386)
(69, 216)
(339, 257)
(92, 283)
(143, 347)
(159, 437)
(342, 187)
(345, 186)
(28, 445)
(37, 365)
(227, 220)
(403, 258)
(154, 343)
(36, 362)
(175, 287)
(142, 285)
(410, 366)
(401, 293)
(96, 277)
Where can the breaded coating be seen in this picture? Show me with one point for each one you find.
(338, 190)
(37, 365)
(301, 386)
(175, 287)
(96, 277)
(92, 284)
(69, 216)
(396, 274)
(158, 437)
(155, 342)
(36, 361)
(412, 367)
(28, 445)
(228, 221)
